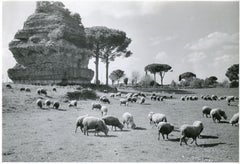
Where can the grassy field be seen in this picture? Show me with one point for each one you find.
(30, 134)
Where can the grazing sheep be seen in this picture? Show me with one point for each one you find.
(48, 103)
(142, 100)
(164, 128)
(104, 110)
(217, 114)
(222, 98)
(42, 91)
(229, 99)
(112, 95)
(142, 94)
(104, 100)
(28, 90)
(105, 91)
(135, 95)
(98, 124)
(22, 89)
(8, 86)
(206, 110)
(113, 121)
(39, 103)
(214, 97)
(198, 123)
(96, 106)
(118, 94)
(73, 103)
(123, 101)
(79, 122)
(153, 97)
(128, 119)
(191, 131)
(129, 95)
(132, 99)
(54, 89)
(234, 119)
(156, 118)
(56, 105)
(183, 98)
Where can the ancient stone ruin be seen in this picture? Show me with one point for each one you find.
(51, 48)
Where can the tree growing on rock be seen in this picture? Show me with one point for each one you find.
(116, 75)
(107, 44)
(232, 74)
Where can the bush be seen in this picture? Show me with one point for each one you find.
(82, 94)
(234, 84)
(100, 88)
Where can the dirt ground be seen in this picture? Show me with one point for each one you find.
(31, 134)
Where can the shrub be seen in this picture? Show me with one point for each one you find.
(81, 94)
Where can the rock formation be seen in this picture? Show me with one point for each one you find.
(51, 48)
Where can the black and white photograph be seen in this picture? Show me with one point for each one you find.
(120, 81)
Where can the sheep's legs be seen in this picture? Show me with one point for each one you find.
(182, 138)
(76, 129)
(163, 136)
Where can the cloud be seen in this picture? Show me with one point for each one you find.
(196, 56)
(156, 40)
(213, 41)
(161, 56)
(116, 9)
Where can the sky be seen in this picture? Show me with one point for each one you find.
(190, 36)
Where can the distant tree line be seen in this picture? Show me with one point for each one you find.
(185, 80)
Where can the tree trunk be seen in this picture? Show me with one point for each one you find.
(154, 85)
(162, 76)
(96, 69)
(107, 66)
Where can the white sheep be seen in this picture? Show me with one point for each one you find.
(73, 103)
(113, 121)
(98, 124)
(104, 99)
(118, 94)
(123, 101)
(217, 114)
(96, 106)
(142, 100)
(39, 103)
(164, 128)
(156, 118)
(112, 95)
(27, 90)
(191, 131)
(48, 103)
(229, 99)
(206, 110)
(198, 123)
(234, 119)
(183, 98)
(56, 104)
(128, 119)
(104, 110)
(79, 122)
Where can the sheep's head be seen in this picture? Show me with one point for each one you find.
(223, 114)
(120, 126)
(133, 125)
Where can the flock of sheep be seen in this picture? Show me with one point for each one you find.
(159, 120)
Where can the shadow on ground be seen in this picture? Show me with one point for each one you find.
(208, 137)
(140, 128)
(211, 145)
